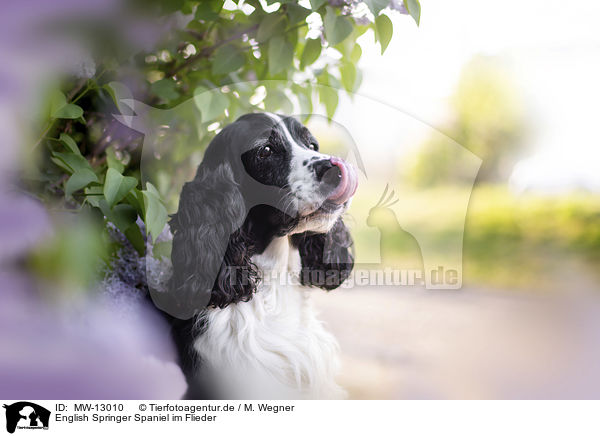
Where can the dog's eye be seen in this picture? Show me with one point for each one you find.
(312, 146)
(265, 152)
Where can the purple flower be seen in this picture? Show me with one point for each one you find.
(23, 222)
(398, 5)
(92, 350)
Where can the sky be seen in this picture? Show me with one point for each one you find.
(553, 50)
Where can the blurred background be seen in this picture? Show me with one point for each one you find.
(480, 120)
(519, 90)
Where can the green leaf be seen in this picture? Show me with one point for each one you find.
(94, 200)
(165, 89)
(297, 13)
(170, 6)
(210, 103)
(316, 4)
(117, 186)
(304, 96)
(61, 164)
(334, 82)
(79, 180)
(337, 27)
(136, 199)
(348, 75)
(355, 54)
(57, 101)
(311, 52)
(94, 195)
(69, 143)
(206, 11)
(281, 54)
(384, 29)
(134, 235)
(414, 9)
(72, 162)
(358, 80)
(111, 92)
(118, 92)
(122, 215)
(329, 97)
(162, 249)
(322, 76)
(69, 111)
(377, 5)
(59, 108)
(227, 59)
(155, 215)
(276, 100)
(94, 190)
(273, 24)
(150, 188)
(187, 8)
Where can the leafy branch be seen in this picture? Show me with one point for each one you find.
(93, 161)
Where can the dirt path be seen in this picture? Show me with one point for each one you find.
(401, 343)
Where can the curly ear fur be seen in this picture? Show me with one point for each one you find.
(327, 258)
(210, 255)
(238, 277)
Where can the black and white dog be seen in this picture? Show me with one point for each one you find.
(257, 227)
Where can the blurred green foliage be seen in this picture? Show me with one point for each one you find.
(486, 117)
(217, 54)
(72, 256)
(509, 240)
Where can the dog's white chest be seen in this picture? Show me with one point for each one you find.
(272, 346)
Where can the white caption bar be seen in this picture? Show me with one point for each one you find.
(302, 417)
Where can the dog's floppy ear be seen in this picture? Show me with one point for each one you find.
(327, 258)
(209, 256)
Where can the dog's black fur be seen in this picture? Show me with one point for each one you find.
(230, 212)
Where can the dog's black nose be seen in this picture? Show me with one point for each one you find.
(327, 172)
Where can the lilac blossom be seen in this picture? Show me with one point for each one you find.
(398, 5)
(23, 222)
(107, 344)
(89, 350)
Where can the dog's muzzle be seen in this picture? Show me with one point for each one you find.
(338, 179)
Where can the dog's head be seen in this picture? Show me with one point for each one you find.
(262, 177)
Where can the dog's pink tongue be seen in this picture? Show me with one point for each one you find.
(348, 182)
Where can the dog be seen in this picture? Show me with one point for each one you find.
(258, 226)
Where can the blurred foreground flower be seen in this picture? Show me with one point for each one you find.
(108, 345)
(62, 345)
(88, 352)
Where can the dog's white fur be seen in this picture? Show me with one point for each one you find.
(306, 197)
(272, 346)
